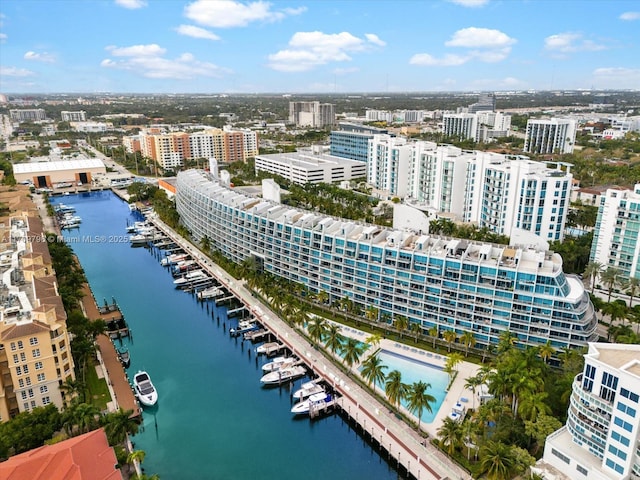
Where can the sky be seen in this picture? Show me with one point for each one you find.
(317, 46)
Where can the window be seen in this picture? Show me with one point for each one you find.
(41, 377)
(20, 346)
(36, 352)
(561, 456)
(15, 358)
(623, 440)
(30, 392)
(13, 346)
(626, 409)
(46, 400)
(581, 469)
(23, 394)
(589, 375)
(33, 341)
(18, 370)
(23, 357)
(20, 383)
(621, 423)
(28, 380)
(38, 365)
(25, 369)
(608, 387)
(630, 395)
(44, 389)
(617, 452)
(26, 406)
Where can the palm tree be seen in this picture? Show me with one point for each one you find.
(71, 388)
(385, 319)
(546, 351)
(137, 456)
(374, 339)
(496, 460)
(401, 322)
(371, 313)
(591, 271)
(610, 278)
(533, 405)
(118, 424)
(468, 340)
(506, 341)
(395, 390)
(373, 370)
(450, 336)
(80, 417)
(616, 310)
(416, 328)
(434, 333)
(450, 434)
(631, 286)
(323, 297)
(452, 362)
(334, 338)
(317, 329)
(472, 383)
(351, 350)
(418, 399)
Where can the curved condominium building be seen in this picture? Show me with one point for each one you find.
(450, 283)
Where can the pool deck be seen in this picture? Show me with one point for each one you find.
(417, 456)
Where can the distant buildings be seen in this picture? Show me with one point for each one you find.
(312, 114)
(549, 136)
(479, 122)
(36, 355)
(47, 174)
(310, 167)
(28, 115)
(80, 116)
(616, 238)
(600, 439)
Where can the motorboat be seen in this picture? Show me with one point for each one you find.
(277, 363)
(267, 348)
(315, 400)
(173, 259)
(144, 389)
(307, 389)
(210, 292)
(124, 356)
(283, 375)
(190, 277)
(138, 240)
(243, 326)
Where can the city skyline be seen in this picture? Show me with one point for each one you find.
(226, 46)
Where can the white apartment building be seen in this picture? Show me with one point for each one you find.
(312, 114)
(482, 126)
(304, 167)
(500, 192)
(28, 115)
(600, 438)
(388, 164)
(616, 238)
(67, 116)
(549, 136)
(402, 116)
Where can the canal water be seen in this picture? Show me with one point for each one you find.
(213, 419)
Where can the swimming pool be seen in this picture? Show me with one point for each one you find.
(414, 370)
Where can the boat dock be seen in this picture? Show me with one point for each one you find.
(116, 377)
(414, 455)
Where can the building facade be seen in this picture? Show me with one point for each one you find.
(549, 136)
(482, 126)
(616, 237)
(600, 438)
(28, 115)
(451, 284)
(310, 167)
(35, 354)
(312, 114)
(388, 164)
(80, 116)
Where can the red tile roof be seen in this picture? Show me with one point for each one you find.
(85, 457)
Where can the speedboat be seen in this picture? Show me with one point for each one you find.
(283, 375)
(124, 356)
(190, 277)
(144, 389)
(307, 389)
(278, 363)
(315, 400)
(268, 347)
(173, 259)
(210, 292)
(243, 326)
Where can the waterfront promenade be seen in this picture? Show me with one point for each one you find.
(410, 449)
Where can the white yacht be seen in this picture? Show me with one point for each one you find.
(283, 375)
(278, 363)
(192, 276)
(307, 389)
(144, 389)
(317, 400)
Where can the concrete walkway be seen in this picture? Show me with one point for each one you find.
(403, 443)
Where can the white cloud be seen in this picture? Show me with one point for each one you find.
(311, 49)
(630, 16)
(39, 57)
(229, 13)
(3, 37)
(196, 32)
(15, 72)
(148, 61)
(131, 4)
(569, 42)
(151, 50)
(449, 60)
(373, 38)
(470, 3)
(617, 77)
(474, 37)
(492, 55)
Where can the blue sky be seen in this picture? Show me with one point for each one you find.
(317, 46)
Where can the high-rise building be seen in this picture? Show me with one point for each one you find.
(600, 439)
(549, 136)
(352, 141)
(80, 116)
(388, 164)
(460, 125)
(486, 102)
(482, 126)
(312, 114)
(28, 115)
(616, 238)
(35, 354)
(451, 284)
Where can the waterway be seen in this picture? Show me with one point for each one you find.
(213, 419)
